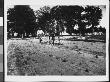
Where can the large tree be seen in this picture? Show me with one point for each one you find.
(61, 16)
(44, 20)
(56, 15)
(21, 19)
(83, 17)
(72, 17)
(93, 15)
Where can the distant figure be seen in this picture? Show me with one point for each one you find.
(52, 37)
(40, 34)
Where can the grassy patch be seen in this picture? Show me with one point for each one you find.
(29, 58)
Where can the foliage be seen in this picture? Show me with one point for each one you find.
(21, 19)
(93, 15)
(77, 15)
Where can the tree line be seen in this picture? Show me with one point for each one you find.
(25, 21)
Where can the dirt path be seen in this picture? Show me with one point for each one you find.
(70, 58)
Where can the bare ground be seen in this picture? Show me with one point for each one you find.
(29, 57)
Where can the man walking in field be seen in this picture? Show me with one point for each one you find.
(53, 37)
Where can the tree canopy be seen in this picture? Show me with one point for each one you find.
(93, 15)
(22, 19)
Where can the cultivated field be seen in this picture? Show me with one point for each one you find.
(29, 57)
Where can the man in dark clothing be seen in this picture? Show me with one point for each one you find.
(53, 37)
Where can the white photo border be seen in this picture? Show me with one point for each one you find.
(57, 2)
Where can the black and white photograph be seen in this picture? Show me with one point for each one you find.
(56, 40)
(1, 40)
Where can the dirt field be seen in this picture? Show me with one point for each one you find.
(29, 57)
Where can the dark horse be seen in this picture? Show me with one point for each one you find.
(52, 37)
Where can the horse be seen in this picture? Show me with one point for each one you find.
(40, 34)
(51, 37)
(55, 30)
